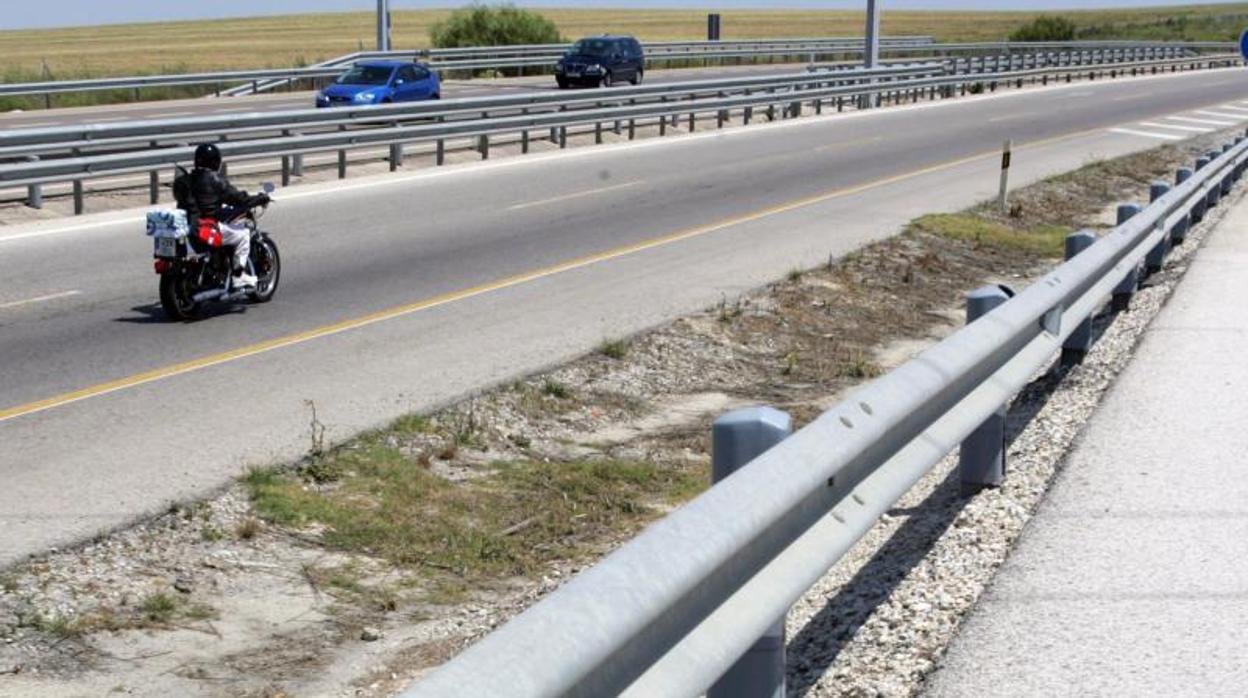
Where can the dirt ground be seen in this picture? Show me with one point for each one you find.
(278, 586)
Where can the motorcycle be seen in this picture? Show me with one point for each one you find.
(194, 273)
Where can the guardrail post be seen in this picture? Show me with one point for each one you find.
(285, 170)
(981, 460)
(736, 439)
(1201, 205)
(563, 137)
(1157, 256)
(1179, 233)
(34, 192)
(1126, 289)
(396, 156)
(153, 187)
(1228, 181)
(1215, 192)
(79, 199)
(1079, 343)
(483, 146)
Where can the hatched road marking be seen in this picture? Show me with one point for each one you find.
(1147, 134)
(1192, 129)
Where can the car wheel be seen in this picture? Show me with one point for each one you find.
(562, 82)
(607, 80)
(637, 77)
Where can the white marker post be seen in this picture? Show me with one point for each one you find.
(1005, 178)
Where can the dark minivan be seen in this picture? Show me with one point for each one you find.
(602, 61)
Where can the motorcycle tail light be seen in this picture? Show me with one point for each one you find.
(162, 266)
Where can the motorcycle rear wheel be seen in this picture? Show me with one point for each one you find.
(175, 297)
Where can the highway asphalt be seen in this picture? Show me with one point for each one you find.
(208, 106)
(401, 293)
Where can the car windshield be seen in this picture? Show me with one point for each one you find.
(366, 75)
(592, 47)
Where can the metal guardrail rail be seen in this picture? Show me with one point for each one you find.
(674, 609)
(603, 107)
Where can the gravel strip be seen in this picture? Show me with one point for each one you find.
(878, 622)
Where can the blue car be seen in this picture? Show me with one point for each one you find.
(381, 82)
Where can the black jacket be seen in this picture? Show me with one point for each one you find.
(202, 193)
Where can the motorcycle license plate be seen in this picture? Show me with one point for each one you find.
(166, 247)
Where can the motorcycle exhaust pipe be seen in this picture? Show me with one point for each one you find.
(207, 295)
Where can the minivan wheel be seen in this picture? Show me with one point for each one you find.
(637, 77)
(607, 80)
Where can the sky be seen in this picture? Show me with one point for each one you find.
(25, 14)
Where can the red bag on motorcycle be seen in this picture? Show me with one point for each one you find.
(209, 232)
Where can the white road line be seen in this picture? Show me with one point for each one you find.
(1147, 134)
(1206, 122)
(1193, 129)
(1128, 98)
(175, 113)
(40, 299)
(1216, 115)
(36, 124)
(1232, 107)
(112, 118)
(1011, 117)
(577, 195)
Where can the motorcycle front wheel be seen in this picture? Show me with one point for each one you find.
(268, 266)
(175, 297)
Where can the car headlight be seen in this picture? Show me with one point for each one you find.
(593, 68)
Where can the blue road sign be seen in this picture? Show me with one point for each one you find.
(1243, 44)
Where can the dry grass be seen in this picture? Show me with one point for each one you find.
(302, 39)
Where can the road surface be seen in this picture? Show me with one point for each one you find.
(404, 292)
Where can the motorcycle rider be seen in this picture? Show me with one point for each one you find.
(202, 193)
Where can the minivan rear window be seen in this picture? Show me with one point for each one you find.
(592, 47)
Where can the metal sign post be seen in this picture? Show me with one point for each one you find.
(871, 55)
(383, 25)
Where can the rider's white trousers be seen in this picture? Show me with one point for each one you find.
(240, 237)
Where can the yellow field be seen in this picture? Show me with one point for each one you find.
(301, 39)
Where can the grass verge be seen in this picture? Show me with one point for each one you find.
(511, 521)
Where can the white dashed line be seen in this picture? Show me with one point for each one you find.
(576, 195)
(1147, 134)
(40, 299)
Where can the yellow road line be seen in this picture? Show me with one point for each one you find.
(501, 284)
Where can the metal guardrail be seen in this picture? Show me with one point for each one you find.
(443, 59)
(681, 604)
(259, 80)
(555, 116)
(44, 140)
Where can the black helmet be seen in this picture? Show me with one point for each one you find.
(208, 156)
